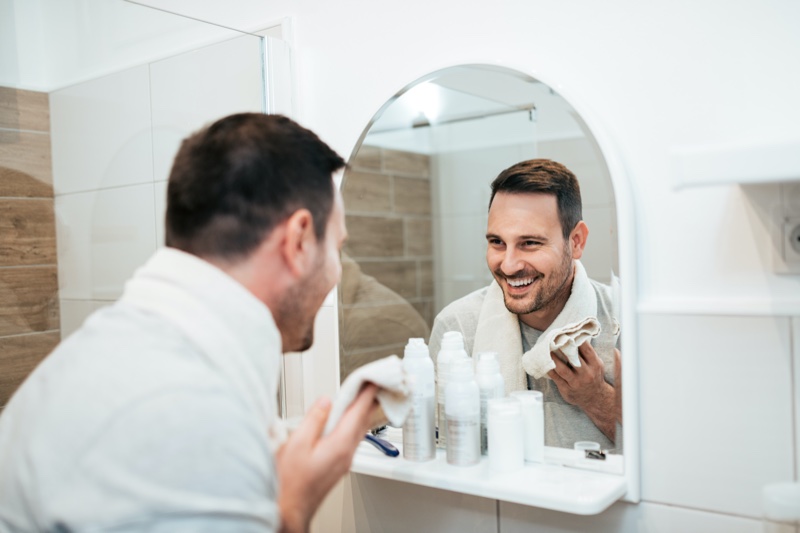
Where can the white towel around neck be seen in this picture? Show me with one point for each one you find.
(498, 331)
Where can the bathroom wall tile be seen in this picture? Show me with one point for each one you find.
(160, 193)
(350, 362)
(27, 232)
(374, 236)
(101, 132)
(425, 274)
(103, 237)
(19, 355)
(425, 309)
(24, 110)
(598, 257)
(320, 361)
(373, 327)
(412, 196)
(419, 237)
(406, 163)
(399, 276)
(367, 158)
(623, 518)
(375, 504)
(796, 365)
(366, 192)
(28, 300)
(193, 89)
(25, 164)
(715, 410)
(75, 312)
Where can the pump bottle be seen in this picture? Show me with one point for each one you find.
(418, 430)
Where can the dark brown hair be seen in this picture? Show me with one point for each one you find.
(544, 176)
(237, 179)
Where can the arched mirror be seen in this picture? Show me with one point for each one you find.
(417, 195)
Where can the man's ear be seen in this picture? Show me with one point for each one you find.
(299, 244)
(577, 239)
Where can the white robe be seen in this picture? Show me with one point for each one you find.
(154, 416)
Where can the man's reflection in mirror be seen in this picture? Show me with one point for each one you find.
(376, 321)
(535, 239)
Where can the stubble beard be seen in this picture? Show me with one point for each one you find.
(552, 288)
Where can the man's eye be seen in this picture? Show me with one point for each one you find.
(532, 243)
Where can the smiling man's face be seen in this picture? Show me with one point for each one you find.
(528, 254)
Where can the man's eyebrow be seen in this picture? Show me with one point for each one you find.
(540, 238)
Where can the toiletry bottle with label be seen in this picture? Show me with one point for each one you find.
(452, 348)
(506, 452)
(532, 404)
(418, 430)
(463, 412)
(491, 386)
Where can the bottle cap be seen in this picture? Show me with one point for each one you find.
(487, 363)
(453, 341)
(528, 397)
(460, 370)
(416, 347)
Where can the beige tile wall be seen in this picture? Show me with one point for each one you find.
(387, 295)
(29, 311)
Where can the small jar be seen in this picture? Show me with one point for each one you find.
(505, 435)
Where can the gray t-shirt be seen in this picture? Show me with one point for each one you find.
(564, 423)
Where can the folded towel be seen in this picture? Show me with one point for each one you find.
(393, 393)
(498, 331)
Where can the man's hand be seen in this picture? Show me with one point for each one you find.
(585, 387)
(309, 465)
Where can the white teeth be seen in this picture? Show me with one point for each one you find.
(520, 282)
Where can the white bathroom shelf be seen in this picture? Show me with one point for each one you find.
(550, 485)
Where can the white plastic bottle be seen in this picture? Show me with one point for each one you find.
(463, 414)
(419, 443)
(452, 348)
(491, 386)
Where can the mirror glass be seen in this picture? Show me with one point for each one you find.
(417, 194)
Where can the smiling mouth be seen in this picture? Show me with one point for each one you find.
(520, 282)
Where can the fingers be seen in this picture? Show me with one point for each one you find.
(589, 355)
(355, 421)
(560, 382)
(617, 367)
(562, 369)
(314, 422)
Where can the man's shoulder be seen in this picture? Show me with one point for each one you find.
(466, 305)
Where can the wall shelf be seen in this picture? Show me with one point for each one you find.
(550, 485)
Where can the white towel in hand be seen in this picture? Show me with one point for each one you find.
(389, 376)
(498, 331)
(576, 324)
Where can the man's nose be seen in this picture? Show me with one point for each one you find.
(512, 262)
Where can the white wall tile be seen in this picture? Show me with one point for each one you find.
(598, 257)
(624, 518)
(319, 362)
(75, 312)
(160, 194)
(796, 364)
(101, 133)
(103, 236)
(198, 87)
(716, 410)
(381, 505)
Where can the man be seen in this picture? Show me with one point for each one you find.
(159, 414)
(535, 238)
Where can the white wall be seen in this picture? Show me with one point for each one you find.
(113, 141)
(716, 359)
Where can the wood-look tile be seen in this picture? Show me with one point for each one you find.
(19, 355)
(366, 192)
(425, 309)
(25, 164)
(426, 279)
(24, 110)
(27, 232)
(412, 196)
(406, 163)
(419, 237)
(374, 236)
(399, 276)
(350, 362)
(28, 300)
(367, 158)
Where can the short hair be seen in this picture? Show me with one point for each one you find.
(544, 176)
(234, 181)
